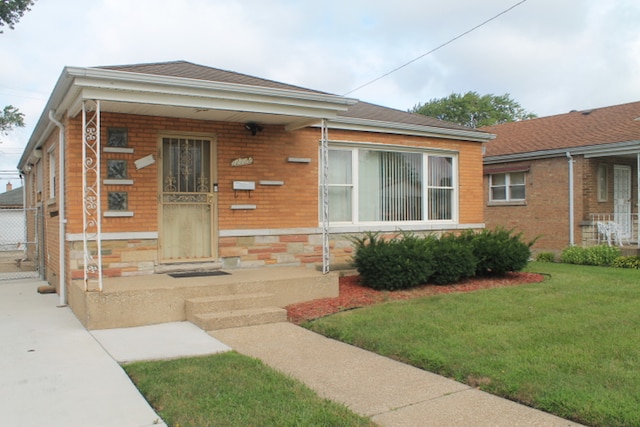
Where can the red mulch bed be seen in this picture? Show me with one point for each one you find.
(353, 295)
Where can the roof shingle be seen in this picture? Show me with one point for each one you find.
(361, 110)
(607, 125)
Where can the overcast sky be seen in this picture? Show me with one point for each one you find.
(552, 56)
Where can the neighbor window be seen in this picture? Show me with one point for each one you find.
(370, 185)
(506, 187)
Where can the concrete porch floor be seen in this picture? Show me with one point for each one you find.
(160, 298)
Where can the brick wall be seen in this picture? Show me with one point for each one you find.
(291, 208)
(546, 212)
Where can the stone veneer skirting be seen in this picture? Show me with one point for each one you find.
(130, 254)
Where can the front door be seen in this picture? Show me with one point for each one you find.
(622, 198)
(187, 200)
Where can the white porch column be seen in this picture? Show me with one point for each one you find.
(637, 200)
(92, 209)
(324, 181)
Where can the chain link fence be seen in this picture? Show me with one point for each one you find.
(19, 237)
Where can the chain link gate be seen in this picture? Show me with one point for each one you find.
(20, 233)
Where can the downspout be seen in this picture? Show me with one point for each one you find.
(62, 301)
(570, 164)
(638, 198)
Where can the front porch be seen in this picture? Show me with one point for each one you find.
(613, 230)
(159, 298)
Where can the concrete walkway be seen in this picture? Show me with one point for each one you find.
(389, 392)
(56, 373)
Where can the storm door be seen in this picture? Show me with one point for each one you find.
(187, 200)
(622, 198)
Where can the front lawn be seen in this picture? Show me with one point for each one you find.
(569, 345)
(233, 390)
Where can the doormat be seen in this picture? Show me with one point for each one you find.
(198, 274)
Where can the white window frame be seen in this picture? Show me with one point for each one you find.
(51, 163)
(354, 148)
(603, 183)
(507, 187)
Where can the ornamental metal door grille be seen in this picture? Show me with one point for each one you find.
(622, 199)
(187, 200)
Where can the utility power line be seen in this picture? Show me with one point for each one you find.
(437, 48)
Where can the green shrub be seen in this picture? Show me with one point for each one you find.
(398, 263)
(453, 260)
(545, 257)
(574, 255)
(602, 255)
(627, 262)
(498, 251)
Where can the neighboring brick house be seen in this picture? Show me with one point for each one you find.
(177, 164)
(529, 166)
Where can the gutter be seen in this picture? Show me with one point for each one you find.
(62, 302)
(367, 125)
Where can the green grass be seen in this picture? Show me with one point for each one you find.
(233, 390)
(569, 345)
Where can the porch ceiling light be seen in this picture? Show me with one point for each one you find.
(254, 128)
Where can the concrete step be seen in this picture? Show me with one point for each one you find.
(212, 304)
(239, 318)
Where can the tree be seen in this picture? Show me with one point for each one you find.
(12, 10)
(474, 110)
(10, 118)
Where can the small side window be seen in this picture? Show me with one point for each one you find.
(507, 187)
(603, 183)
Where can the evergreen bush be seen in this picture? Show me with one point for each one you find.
(453, 259)
(498, 251)
(398, 263)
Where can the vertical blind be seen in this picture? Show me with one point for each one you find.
(391, 186)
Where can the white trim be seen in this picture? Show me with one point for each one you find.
(123, 150)
(425, 152)
(241, 207)
(345, 229)
(365, 125)
(130, 235)
(117, 181)
(117, 214)
(333, 143)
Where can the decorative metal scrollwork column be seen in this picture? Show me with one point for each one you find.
(324, 181)
(92, 210)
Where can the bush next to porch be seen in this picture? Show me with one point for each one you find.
(398, 263)
(602, 256)
(407, 260)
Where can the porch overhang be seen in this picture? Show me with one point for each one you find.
(357, 124)
(153, 95)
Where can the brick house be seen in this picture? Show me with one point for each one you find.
(563, 176)
(140, 170)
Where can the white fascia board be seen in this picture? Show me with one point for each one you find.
(134, 82)
(255, 105)
(347, 123)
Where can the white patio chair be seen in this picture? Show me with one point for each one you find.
(617, 233)
(604, 230)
